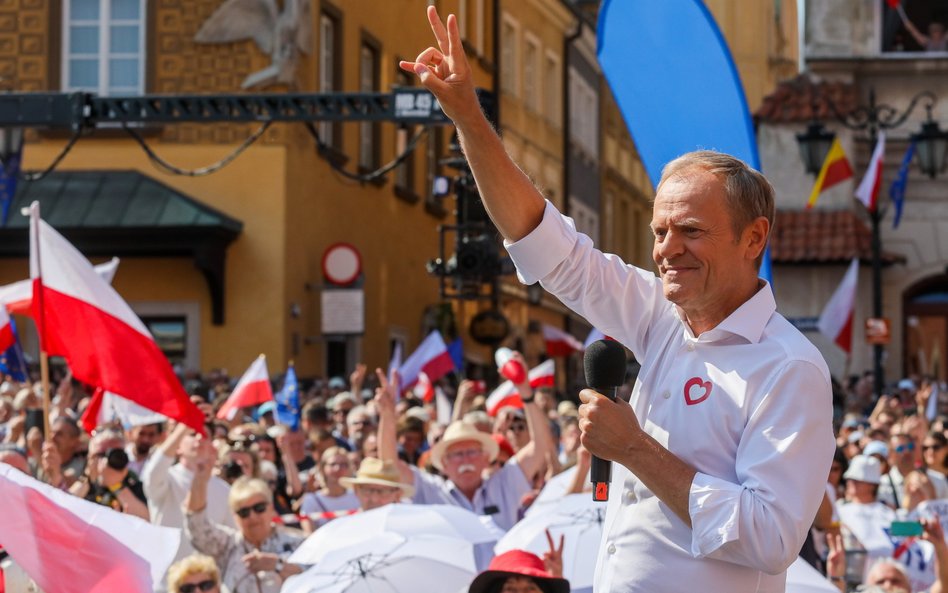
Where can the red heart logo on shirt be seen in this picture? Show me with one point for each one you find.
(694, 385)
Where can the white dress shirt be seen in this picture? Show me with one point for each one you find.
(747, 404)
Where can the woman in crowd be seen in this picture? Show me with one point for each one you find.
(253, 557)
(935, 452)
(196, 573)
(332, 497)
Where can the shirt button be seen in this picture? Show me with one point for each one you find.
(691, 346)
(611, 549)
(630, 495)
(666, 394)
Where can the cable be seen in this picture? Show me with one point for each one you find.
(202, 171)
(37, 176)
(367, 177)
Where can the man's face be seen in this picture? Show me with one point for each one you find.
(66, 439)
(373, 496)
(464, 462)
(696, 251)
(889, 578)
(357, 424)
(144, 438)
(902, 452)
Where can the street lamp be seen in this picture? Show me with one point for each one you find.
(931, 144)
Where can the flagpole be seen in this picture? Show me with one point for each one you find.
(38, 295)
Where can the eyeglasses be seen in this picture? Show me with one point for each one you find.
(904, 448)
(339, 464)
(931, 447)
(373, 491)
(464, 454)
(258, 508)
(518, 427)
(192, 587)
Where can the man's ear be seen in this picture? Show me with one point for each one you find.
(755, 237)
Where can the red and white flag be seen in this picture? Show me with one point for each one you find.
(423, 389)
(105, 407)
(542, 375)
(253, 389)
(432, 357)
(18, 297)
(6, 330)
(868, 190)
(82, 318)
(836, 320)
(70, 545)
(560, 343)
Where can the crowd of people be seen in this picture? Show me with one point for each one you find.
(247, 494)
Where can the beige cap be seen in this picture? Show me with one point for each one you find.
(380, 473)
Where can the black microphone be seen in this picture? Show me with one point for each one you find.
(604, 364)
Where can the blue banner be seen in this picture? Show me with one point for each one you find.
(12, 361)
(288, 401)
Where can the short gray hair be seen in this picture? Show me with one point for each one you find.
(747, 192)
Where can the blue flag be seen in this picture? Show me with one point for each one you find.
(288, 401)
(897, 189)
(9, 171)
(456, 350)
(12, 361)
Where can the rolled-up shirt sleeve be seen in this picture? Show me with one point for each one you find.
(782, 464)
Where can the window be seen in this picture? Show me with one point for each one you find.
(368, 82)
(586, 219)
(922, 30)
(104, 46)
(584, 115)
(171, 335)
(552, 88)
(329, 73)
(405, 171)
(176, 327)
(510, 38)
(531, 72)
(479, 27)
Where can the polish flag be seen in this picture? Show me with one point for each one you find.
(432, 357)
(6, 330)
(424, 389)
(868, 190)
(560, 343)
(253, 389)
(542, 375)
(81, 317)
(18, 297)
(836, 320)
(106, 407)
(70, 545)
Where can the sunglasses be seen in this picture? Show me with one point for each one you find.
(931, 447)
(904, 448)
(244, 512)
(192, 587)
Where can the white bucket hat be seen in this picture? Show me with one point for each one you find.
(864, 468)
(380, 473)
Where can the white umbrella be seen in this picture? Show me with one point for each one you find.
(404, 519)
(579, 519)
(803, 578)
(390, 563)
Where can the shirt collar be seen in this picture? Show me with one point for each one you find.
(750, 319)
(747, 321)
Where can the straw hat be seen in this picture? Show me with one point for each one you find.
(458, 432)
(517, 563)
(380, 473)
(864, 468)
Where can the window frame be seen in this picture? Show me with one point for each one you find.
(369, 151)
(532, 76)
(509, 56)
(103, 55)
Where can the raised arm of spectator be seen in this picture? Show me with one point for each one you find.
(387, 433)
(511, 199)
(356, 381)
(464, 400)
(532, 456)
(580, 480)
(204, 465)
(836, 561)
(936, 535)
(205, 535)
(919, 37)
(155, 479)
(294, 487)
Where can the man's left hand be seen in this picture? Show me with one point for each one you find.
(607, 426)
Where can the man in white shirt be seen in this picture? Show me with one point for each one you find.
(902, 456)
(167, 485)
(723, 452)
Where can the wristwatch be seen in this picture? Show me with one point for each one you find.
(278, 568)
(528, 400)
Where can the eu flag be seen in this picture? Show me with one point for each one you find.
(897, 189)
(288, 401)
(12, 361)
